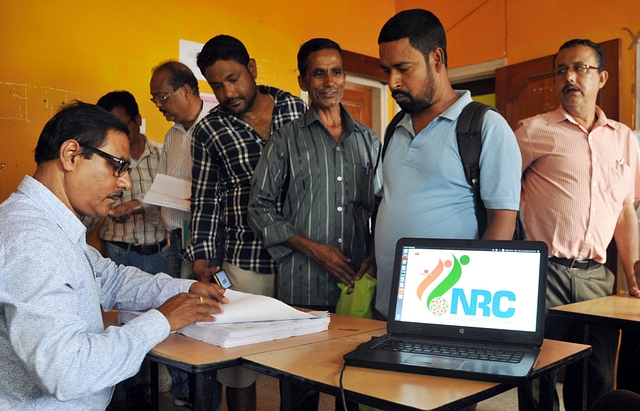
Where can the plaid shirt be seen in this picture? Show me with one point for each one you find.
(139, 229)
(225, 152)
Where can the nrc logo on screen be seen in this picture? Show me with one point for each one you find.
(482, 302)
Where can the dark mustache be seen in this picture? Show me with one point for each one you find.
(396, 93)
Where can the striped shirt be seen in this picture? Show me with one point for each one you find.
(139, 229)
(176, 162)
(575, 182)
(225, 152)
(328, 189)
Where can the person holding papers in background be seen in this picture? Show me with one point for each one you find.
(54, 350)
(132, 232)
(174, 90)
(226, 147)
(580, 179)
(320, 165)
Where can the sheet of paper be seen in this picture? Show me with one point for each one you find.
(172, 192)
(244, 307)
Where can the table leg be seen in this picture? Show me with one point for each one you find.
(584, 364)
(546, 393)
(203, 396)
(285, 395)
(155, 392)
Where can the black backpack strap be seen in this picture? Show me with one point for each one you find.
(469, 136)
(388, 133)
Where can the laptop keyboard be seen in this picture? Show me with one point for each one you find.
(448, 350)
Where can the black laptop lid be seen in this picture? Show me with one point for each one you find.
(479, 290)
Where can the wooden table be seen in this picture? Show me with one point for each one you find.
(614, 311)
(202, 359)
(318, 366)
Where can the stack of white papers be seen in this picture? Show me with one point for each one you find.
(250, 319)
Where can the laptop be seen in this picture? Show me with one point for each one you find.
(470, 309)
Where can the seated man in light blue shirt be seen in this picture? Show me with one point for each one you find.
(426, 193)
(54, 350)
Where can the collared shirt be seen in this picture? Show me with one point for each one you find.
(176, 161)
(53, 345)
(426, 193)
(139, 229)
(575, 182)
(225, 152)
(329, 191)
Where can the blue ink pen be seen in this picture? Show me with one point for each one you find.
(368, 167)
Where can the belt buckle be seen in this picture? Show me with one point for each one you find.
(585, 263)
(148, 249)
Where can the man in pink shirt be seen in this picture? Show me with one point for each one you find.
(580, 179)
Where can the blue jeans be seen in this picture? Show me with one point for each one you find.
(180, 387)
(153, 263)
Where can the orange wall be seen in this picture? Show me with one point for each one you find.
(519, 30)
(56, 51)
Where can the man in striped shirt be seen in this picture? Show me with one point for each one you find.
(174, 90)
(580, 179)
(320, 165)
(226, 147)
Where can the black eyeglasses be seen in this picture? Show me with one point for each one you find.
(123, 166)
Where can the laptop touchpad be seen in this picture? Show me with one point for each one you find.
(434, 361)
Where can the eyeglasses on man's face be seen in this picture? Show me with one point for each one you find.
(579, 69)
(120, 166)
(161, 100)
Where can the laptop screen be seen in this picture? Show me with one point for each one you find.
(469, 284)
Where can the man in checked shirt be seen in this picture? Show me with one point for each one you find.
(226, 147)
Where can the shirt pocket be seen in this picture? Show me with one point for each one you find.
(618, 182)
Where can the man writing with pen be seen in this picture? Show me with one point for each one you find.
(54, 350)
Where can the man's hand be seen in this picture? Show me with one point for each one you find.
(327, 256)
(122, 212)
(197, 305)
(202, 271)
(368, 266)
(335, 263)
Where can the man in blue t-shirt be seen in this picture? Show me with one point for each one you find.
(426, 193)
